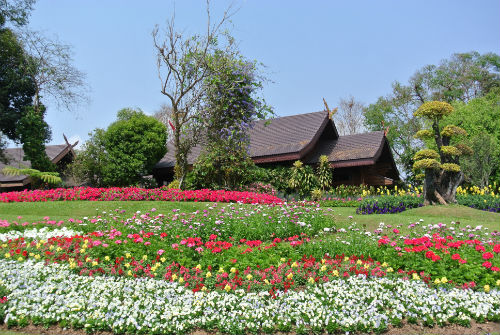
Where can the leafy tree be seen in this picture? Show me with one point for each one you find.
(16, 86)
(123, 153)
(88, 166)
(324, 173)
(480, 118)
(463, 77)
(134, 144)
(16, 11)
(230, 107)
(183, 66)
(302, 178)
(33, 133)
(442, 170)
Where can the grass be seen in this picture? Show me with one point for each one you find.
(63, 210)
(430, 214)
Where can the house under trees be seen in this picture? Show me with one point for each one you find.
(356, 159)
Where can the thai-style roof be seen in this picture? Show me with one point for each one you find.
(350, 150)
(305, 137)
(16, 159)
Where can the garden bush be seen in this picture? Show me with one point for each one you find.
(485, 202)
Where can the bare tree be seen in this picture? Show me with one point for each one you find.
(183, 64)
(51, 70)
(164, 115)
(349, 119)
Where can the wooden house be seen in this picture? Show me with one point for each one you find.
(356, 159)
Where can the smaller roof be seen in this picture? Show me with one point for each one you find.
(16, 159)
(350, 150)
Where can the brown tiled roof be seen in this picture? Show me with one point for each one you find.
(290, 135)
(350, 150)
(16, 155)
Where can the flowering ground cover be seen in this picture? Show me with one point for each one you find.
(135, 194)
(240, 268)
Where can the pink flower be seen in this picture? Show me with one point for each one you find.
(455, 257)
(487, 264)
(199, 249)
(118, 241)
(147, 243)
(160, 252)
(395, 231)
(487, 255)
(175, 246)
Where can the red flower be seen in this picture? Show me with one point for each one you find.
(496, 248)
(455, 257)
(495, 269)
(487, 255)
(487, 264)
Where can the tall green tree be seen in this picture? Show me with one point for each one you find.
(461, 78)
(442, 170)
(123, 153)
(480, 117)
(230, 105)
(16, 87)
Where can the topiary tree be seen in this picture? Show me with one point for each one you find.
(441, 166)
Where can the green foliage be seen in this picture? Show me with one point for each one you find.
(16, 87)
(452, 130)
(123, 153)
(34, 132)
(480, 119)
(38, 178)
(465, 150)
(427, 163)
(324, 173)
(174, 184)
(451, 167)
(88, 166)
(424, 134)
(450, 150)
(221, 169)
(485, 202)
(434, 110)
(426, 153)
(302, 178)
(316, 194)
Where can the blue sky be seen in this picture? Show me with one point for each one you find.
(311, 49)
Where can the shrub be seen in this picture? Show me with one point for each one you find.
(486, 202)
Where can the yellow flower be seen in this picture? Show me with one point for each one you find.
(94, 263)
(145, 257)
(390, 269)
(290, 275)
(4, 245)
(444, 280)
(181, 280)
(106, 258)
(221, 269)
(266, 281)
(227, 288)
(437, 281)
(20, 258)
(335, 273)
(311, 280)
(129, 272)
(174, 277)
(359, 262)
(346, 259)
(7, 255)
(198, 266)
(366, 266)
(416, 276)
(384, 265)
(51, 247)
(283, 259)
(486, 288)
(498, 282)
(233, 270)
(58, 249)
(127, 265)
(31, 254)
(128, 255)
(323, 261)
(37, 256)
(163, 259)
(209, 274)
(249, 277)
(294, 265)
(204, 288)
(323, 268)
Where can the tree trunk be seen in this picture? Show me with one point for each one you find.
(430, 191)
(448, 183)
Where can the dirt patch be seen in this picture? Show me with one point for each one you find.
(492, 328)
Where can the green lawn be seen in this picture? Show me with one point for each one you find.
(63, 210)
(430, 214)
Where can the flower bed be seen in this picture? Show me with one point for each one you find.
(389, 204)
(136, 194)
(245, 269)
